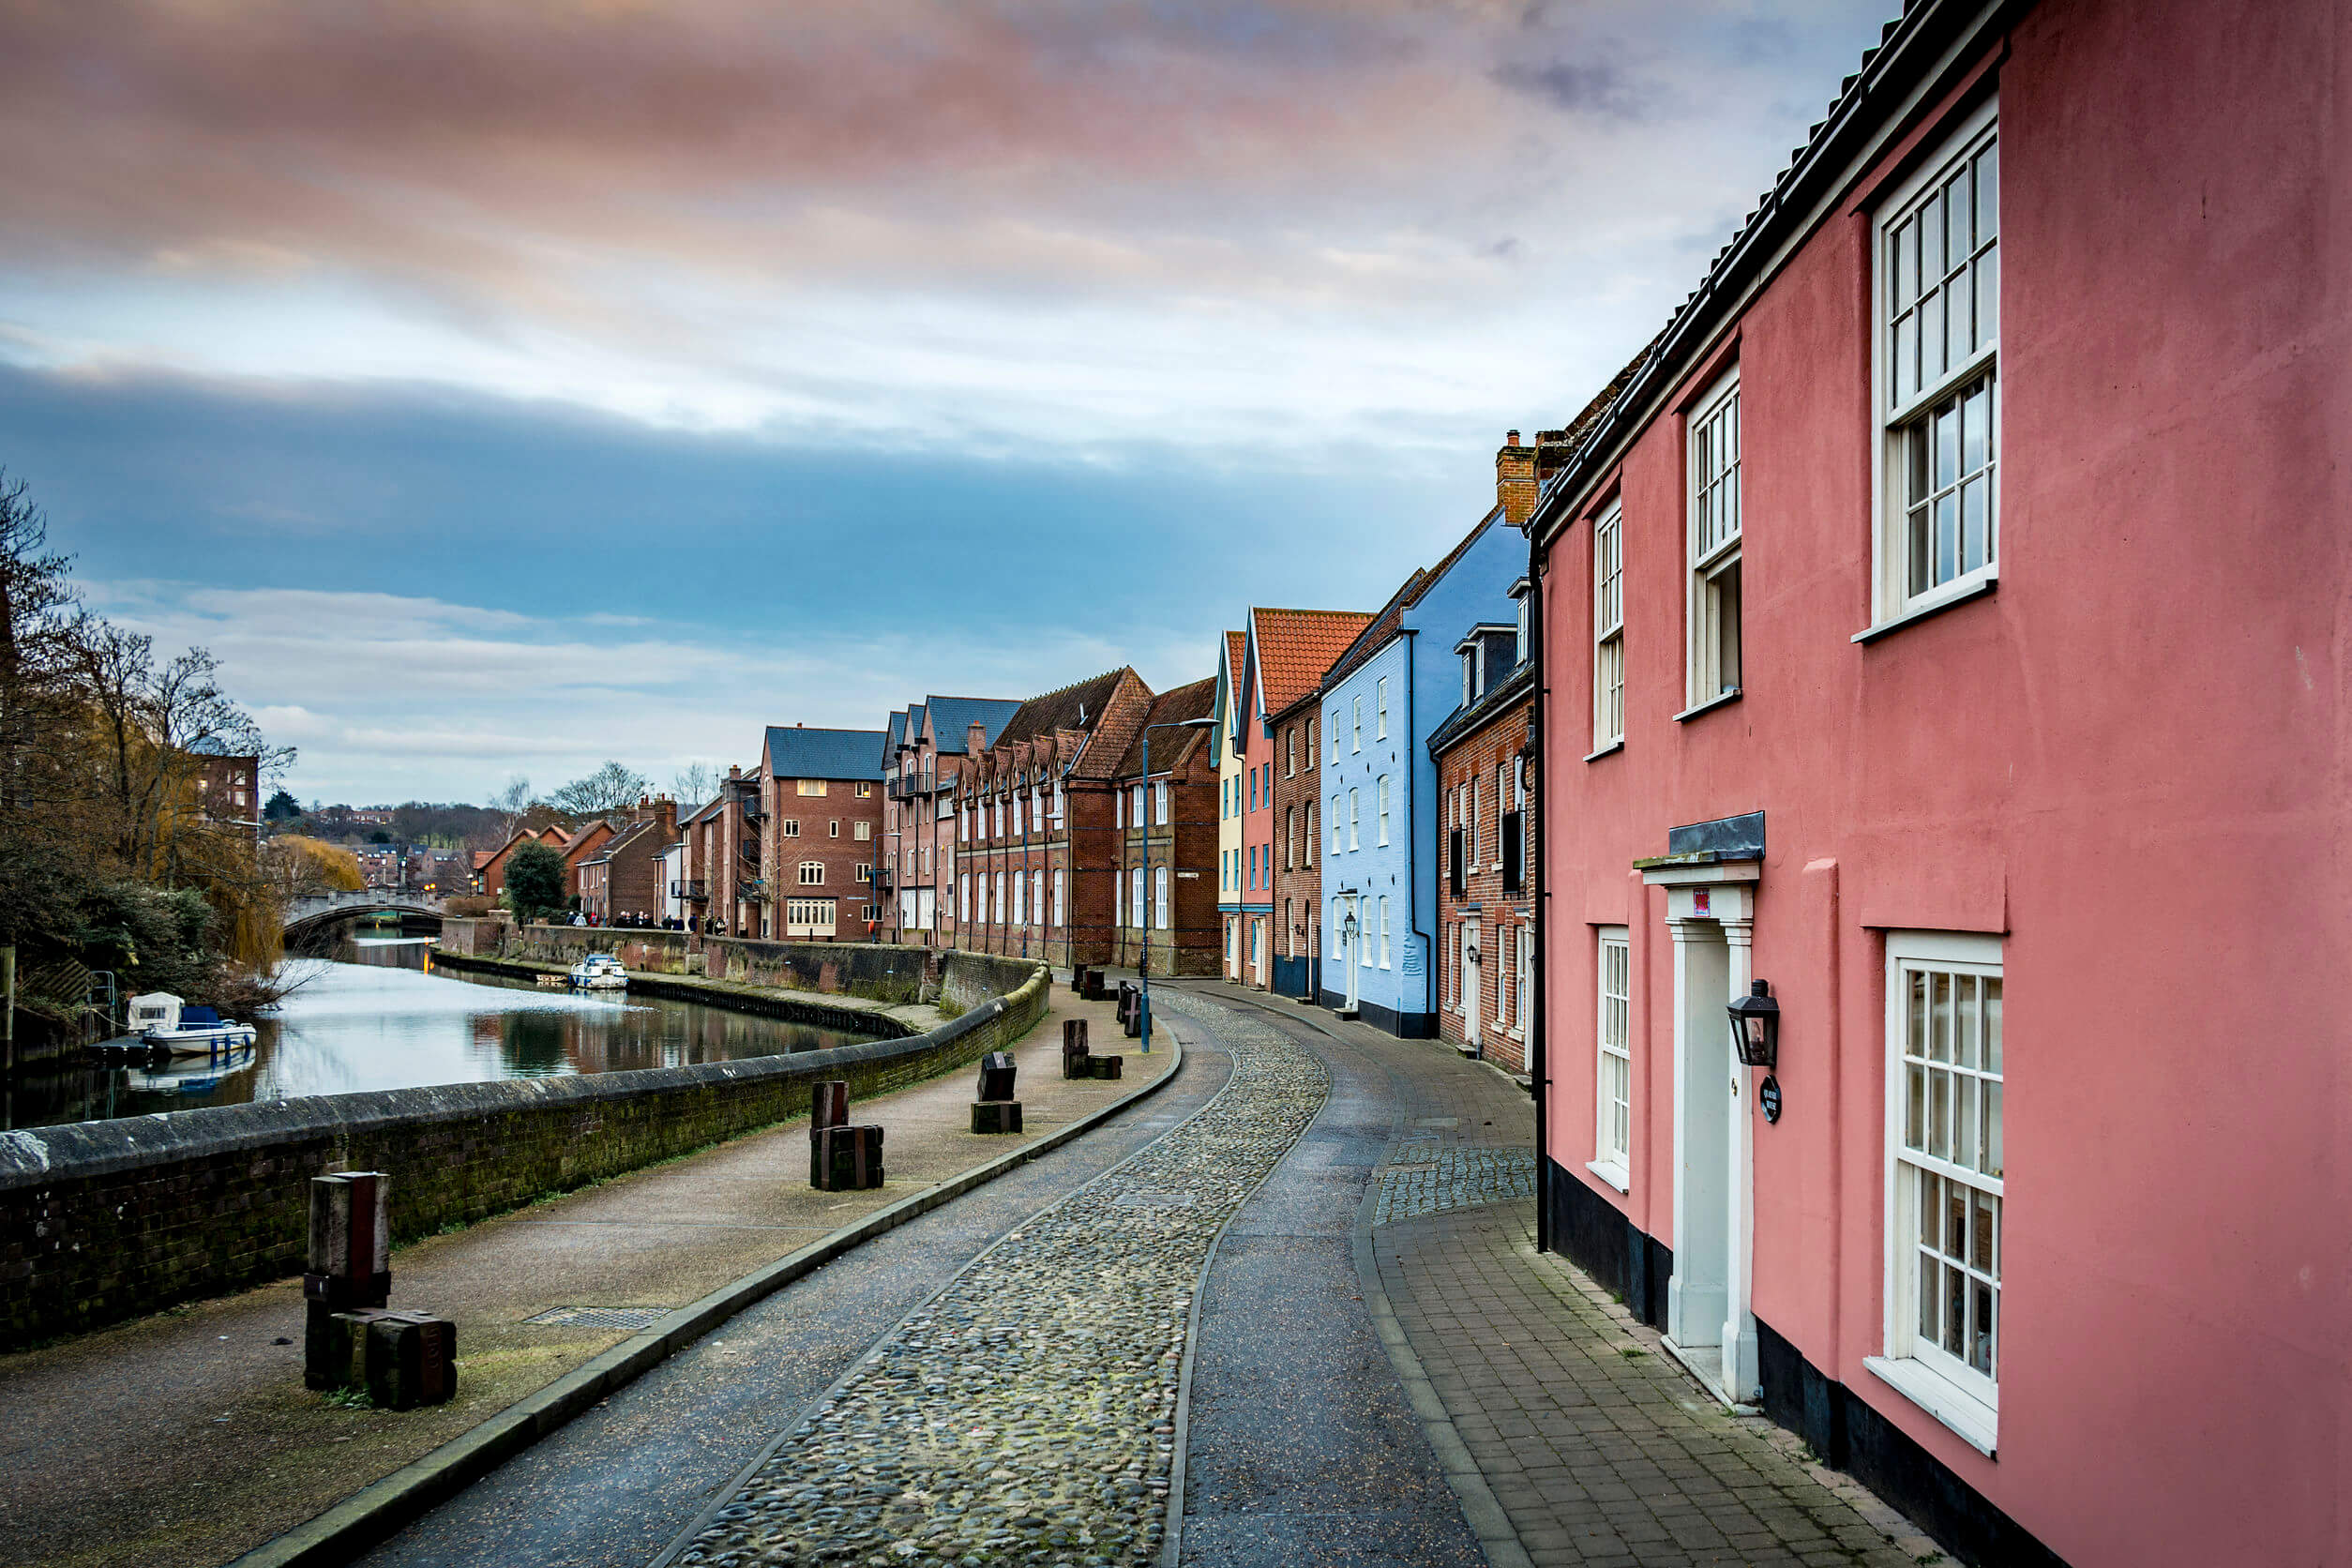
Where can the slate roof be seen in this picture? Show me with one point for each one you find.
(1293, 648)
(1169, 748)
(952, 715)
(798, 752)
(895, 735)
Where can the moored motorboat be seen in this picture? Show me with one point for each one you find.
(163, 1022)
(599, 972)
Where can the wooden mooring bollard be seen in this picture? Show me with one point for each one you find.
(996, 1110)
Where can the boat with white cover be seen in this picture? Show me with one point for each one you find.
(599, 972)
(162, 1020)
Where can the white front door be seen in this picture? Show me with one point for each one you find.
(1351, 955)
(1710, 1321)
(1473, 972)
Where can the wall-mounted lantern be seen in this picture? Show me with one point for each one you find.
(1756, 1027)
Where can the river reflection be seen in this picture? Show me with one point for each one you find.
(378, 1018)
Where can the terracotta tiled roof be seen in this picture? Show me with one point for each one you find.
(1378, 628)
(482, 857)
(1169, 748)
(1236, 657)
(1294, 647)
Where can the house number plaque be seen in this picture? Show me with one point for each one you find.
(1769, 1095)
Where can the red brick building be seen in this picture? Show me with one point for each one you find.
(621, 883)
(915, 878)
(1164, 901)
(818, 807)
(1037, 841)
(491, 874)
(1485, 925)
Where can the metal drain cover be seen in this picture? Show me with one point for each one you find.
(602, 1317)
(1154, 1201)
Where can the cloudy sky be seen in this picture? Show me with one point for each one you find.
(497, 386)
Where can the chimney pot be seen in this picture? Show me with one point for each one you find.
(1514, 438)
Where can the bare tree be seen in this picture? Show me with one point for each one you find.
(611, 788)
(513, 803)
(694, 784)
(36, 604)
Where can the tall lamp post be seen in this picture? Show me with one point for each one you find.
(1144, 916)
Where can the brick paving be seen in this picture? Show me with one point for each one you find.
(1601, 1451)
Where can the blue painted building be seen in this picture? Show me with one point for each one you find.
(1383, 698)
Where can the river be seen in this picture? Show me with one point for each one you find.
(377, 1017)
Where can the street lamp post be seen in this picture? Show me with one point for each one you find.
(1143, 971)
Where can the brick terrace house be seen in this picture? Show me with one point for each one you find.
(1486, 929)
(1165, 805)
(1235, 648)
(1037, 845)
(582, 843)
(723, 856)
(1284, 657)
(623, 880)
(228, 787)
(492, 873)
(1296, 734)
(821, 809)
(918, 873)
(1946, 626)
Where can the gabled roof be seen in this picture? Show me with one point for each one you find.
(1289, 650)
(799, 752)
(1169, 748)
(952, 715)
(1236, 655)
(1072, 707)
(895, 735)
(1376, 632)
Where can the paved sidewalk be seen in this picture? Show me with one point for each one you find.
(187, 1437)
(1597, 1446)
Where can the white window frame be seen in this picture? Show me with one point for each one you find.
(1379, 689)
(790, 826)
(1711, 528)
(1962, 1396)
(1355, 839)
(809, 879)
(1118, 900)
(1159, 801)
(1357, 744)
(1335, 745)
(1612, 1056)
(1384, 945)
(1059, 908)
(1382, 796)
(963, 897)
(1608, 628)
(811, 786)
(865, 872)
(1159, 896)
(1135, 901)
(1020, 890)
(1899, 415)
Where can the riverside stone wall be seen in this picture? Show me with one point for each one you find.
(879, 971)
(101, 1221)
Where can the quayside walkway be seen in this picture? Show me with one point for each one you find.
(187, 1437)
(1294, 1293)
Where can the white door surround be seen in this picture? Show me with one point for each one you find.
(1473, 980)
(1711, 1325)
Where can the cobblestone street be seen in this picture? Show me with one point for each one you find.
(1028, 1413)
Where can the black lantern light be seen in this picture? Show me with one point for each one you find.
(1756, 1027)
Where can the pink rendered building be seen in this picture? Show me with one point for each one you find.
(1946, 624)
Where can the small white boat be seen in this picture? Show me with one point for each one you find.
(599, 972)
(162, 1020)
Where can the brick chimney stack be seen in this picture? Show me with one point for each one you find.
(1514, 480)
(975, 738)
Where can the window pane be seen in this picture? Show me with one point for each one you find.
(1927, 1297)
(1981, 1348)
(1940, 1115)
(1988, 186)
(1981, 1235)
(1931, 338)
(1964, 1142)
(1992, 1165)
(1917, 1042)
(1955, 1310)
(1905, 266)
(1906, 360)
(1972, 523)
(1957, 339)
(1947, 539)
(1961, 207)
(1993, 1024)
(1940, 1036)
(1988, 297)
(1914, 1129)
(1931, 1207)
(1947, 445)
(1919, 550)
(1930, 226)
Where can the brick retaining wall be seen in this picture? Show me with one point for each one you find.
(880, 971)
(101, 1221)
